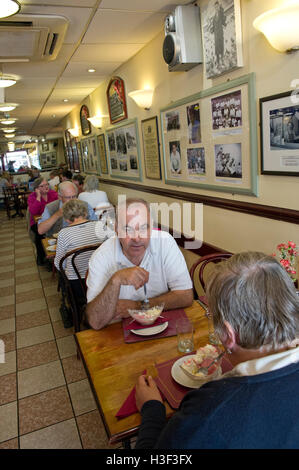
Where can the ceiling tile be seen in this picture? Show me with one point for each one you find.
(106, 52)
(145, 5)
(102, 68)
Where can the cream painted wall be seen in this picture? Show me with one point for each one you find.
(274, 73)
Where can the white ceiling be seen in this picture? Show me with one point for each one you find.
(101, 34)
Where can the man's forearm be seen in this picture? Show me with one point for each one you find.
(45, 226)
(101, 310)
(173, 299)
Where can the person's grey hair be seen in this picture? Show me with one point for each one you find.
(91, 183)
(37, 182)
(64, 185)
(254, 293)
(75, 208)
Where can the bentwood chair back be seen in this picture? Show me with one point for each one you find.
(75, 308)
(199, 272)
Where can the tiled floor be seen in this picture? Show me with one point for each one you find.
(45, 398)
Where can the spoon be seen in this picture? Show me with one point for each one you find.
(146, 299)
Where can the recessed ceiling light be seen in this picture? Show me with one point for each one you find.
(91, 70)
(65, 100)
(9, 8)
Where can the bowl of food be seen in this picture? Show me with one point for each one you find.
(198, 366)
(52, 241)
(147, 316)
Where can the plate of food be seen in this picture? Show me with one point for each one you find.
(152, 330)
(51, 248)
(186, 371)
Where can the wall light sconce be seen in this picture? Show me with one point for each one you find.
(9, 129)
(11, 146)
(74, 131)
(8, 121)
(280, 26)
(9, 136)
(5, 107)
(143, 98)
(97, 121)
(7, 80)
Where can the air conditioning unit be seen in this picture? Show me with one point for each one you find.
(27, 38)
(182, 46)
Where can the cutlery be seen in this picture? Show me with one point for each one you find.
(205, 370)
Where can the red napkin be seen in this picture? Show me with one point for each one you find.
(137, 326)
(129, 406)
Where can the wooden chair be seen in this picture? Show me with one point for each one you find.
(198, 270)
(15, 200)
(74, 254)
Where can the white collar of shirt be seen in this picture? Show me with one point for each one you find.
(266, 363)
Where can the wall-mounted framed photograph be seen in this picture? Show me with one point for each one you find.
(218, 153)
(151, 148)
(123, 149)
(45, 147)
(85, 124)
(116, 98)
(89, 155)
(222, 36)
(279, 127)
(102, 154)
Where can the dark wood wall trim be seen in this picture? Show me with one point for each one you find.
(259, 210)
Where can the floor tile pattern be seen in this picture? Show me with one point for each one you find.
(45, 398)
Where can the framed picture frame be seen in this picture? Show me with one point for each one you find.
(123, 150)
(151, 148)
(85, 124)
(217, 153)
(279, 128)
(89, 153)
(45, 147)
(116, 98)
(222, 36)
(102, 154)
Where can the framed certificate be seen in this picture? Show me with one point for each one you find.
(116, 100)
(151, 147)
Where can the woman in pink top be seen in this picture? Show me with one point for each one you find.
(37, 201)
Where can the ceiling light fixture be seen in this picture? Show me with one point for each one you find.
(7, 80)
(8, 121)
(143, 98)
(9, 8)
(9, 136)
(5, 107)
(91, 70)
(8, 129)
(65, 100)
(280, 26)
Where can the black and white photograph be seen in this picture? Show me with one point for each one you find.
(196, 161)
(279, 116)
(111, 142)
(133, 162)
(175, 157)
(114, 163)
(222, 36)
(193, 121)
(123, 165)
(228, 160)
(131, 138)
(173, 120)
(227, 111)
(121, 145)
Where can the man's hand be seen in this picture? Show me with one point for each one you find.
(136, 277)
(146, 389)
(123, 305)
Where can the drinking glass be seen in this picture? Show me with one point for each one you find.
(185, 335)
(213, 337)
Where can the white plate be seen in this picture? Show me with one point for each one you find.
(151, 330)
(51, 248)
(180, 377)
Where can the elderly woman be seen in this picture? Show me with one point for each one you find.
(80, 232)
(37, 201)
(255, 405)
(97, 199)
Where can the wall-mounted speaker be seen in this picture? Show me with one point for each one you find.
(182, 46)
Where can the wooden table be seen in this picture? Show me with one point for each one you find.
(113, 367)
(49, 254)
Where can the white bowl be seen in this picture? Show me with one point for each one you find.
(52, 241)
(147, 317)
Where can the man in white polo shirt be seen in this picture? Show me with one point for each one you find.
(122, 265)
